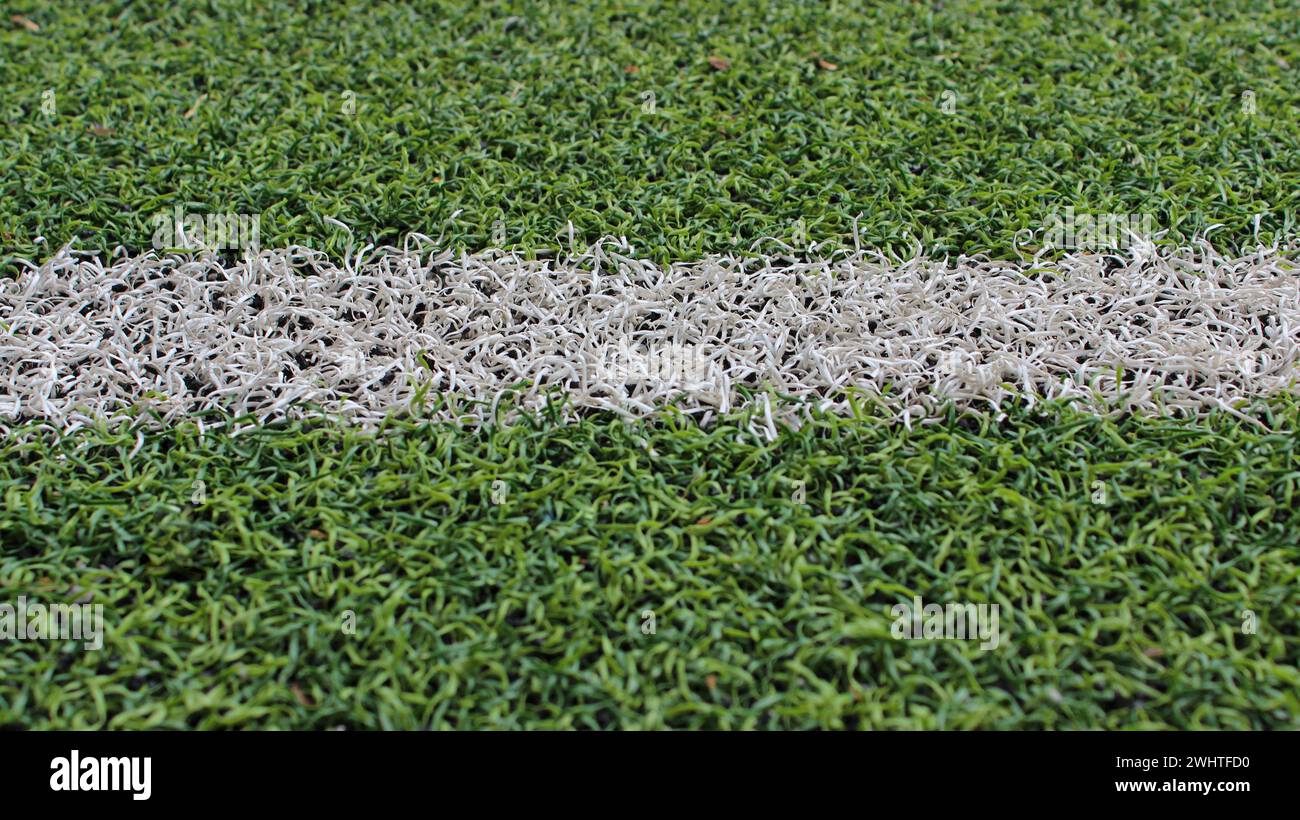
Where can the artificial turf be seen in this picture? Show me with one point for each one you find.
(691, 128)
(444, 118)
(1122, 602)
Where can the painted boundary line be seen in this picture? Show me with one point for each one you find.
(288, 333)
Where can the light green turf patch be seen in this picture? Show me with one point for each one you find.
(1121, 601)
(530, 113)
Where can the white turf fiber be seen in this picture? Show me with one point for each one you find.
(289, 333)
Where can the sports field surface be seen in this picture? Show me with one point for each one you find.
(689, 127)
(397, 464)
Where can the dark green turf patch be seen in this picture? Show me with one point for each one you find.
(225, 608)
(529, 113)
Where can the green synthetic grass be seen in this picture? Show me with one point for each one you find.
(528, 113)
(769, 612)
(226, 611)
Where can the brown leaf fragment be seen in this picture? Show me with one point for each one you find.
(194, 109)
(302, 697)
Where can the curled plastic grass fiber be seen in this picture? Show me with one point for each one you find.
(957, 124)
(288, 332)
(526, 608)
